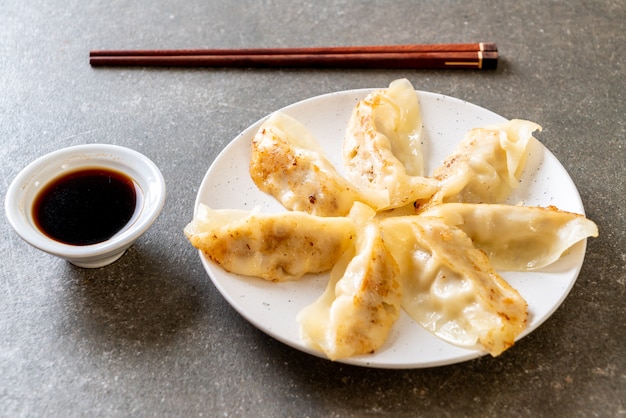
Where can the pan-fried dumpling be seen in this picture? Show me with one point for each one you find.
(362, 300)
(288, 163)
(485, 166)
(395, 113)
(382, 145)
(449, 286)
(283, 246)
(517, 237)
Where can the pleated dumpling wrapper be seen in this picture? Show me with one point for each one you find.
(449, 286)
(382, 146)
(485, 166)
(288, 163)
(362, 300)
(517, 238)
(277, 247)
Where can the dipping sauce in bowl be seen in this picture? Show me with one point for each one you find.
(86, 206)
(87, 203)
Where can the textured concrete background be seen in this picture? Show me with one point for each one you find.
(151, 336)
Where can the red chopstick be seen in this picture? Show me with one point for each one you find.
(473, 56)
(468, 47)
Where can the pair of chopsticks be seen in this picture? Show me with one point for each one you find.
(435, 56)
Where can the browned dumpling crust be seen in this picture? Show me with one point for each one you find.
(362, 300)
(275, 247)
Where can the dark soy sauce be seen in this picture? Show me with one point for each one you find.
(86, 206)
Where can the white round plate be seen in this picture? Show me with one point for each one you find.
(272, 307)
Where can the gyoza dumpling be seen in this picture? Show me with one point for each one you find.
(450, 288)
(395, 113)
(362, 300)
(517, 237)
(485, 166)
(288, 163)
(283, 246)
(382, 146)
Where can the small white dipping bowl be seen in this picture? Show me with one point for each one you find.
(34, 177)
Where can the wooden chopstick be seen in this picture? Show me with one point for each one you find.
(474, 56)
(467, 47)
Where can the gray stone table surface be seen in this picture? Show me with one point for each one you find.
(150, 335)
